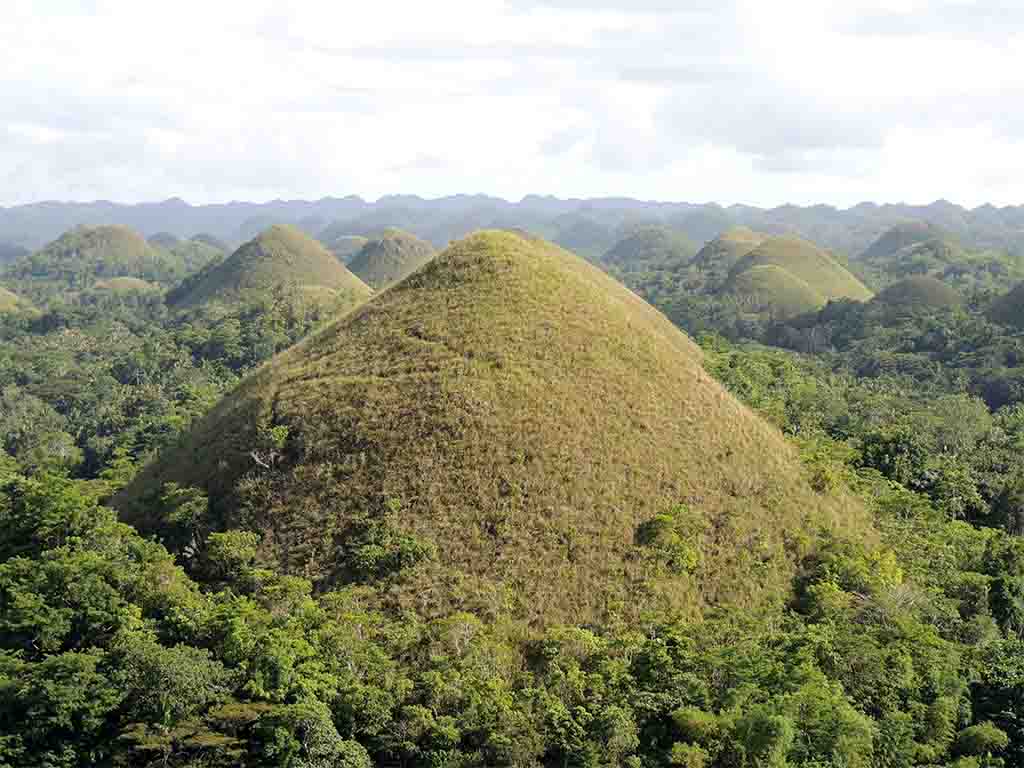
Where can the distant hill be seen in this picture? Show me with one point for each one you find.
(728, 248)
(10, 253)
(84, 256)
(163, 240)
(214, 242)
(898, 237)
(582, 235)
(507, 431)
(920, 291)
(346, 247)
(802, 277)
(648, 246)
(389, 258)
(282, 255)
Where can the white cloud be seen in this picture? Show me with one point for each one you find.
(742, 101)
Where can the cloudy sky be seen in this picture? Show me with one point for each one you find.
(707, 100)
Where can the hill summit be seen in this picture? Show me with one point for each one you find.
(507, 431)
(281, 255)
(389, 258)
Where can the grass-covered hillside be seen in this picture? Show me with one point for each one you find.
(785, 275)
(81, 258)
(389, 258)
(507, 431)
(898, 237)
(280, 256)
(723, 251)
(920, 291)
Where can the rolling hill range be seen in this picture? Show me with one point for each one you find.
(345, 246)
(787, 275)
(389, 258)
(507, 431)
(280, 256)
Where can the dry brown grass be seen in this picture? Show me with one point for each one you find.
(523, 413)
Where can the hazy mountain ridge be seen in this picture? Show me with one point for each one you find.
(440, 220)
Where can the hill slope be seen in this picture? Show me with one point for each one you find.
(729, 247)
(11, 303)
(525, 418)
(802, 270)
(390, 258)
(282, 255)
(921, 291)
(899, 237)
(81, 257)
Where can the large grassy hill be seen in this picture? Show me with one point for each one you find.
(801, 273)
(508, 431)
(389, 258)
(280, 256)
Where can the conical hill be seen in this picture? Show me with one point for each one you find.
(507, 431)
(282, 255)
(390, 258)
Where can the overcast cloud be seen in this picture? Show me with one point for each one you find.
(746, 101)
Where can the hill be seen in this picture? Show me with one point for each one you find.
(920, 291)
(899, 237)
(508, 431)
(163, 240)
(650, 246)
(728, 248)
(282, 255)
(346, 247)
(81, 257)
(10, 252)
(804, 264)
(211, 240)
(389, 258)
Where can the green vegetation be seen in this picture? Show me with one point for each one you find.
(281, 256)
(11, 303)
(723, 252)
(774, 291)
(649, 246)
(1009, 309)
(505, 514)
(392, 257)
(124, 285)
(87, 255)
(922, 291)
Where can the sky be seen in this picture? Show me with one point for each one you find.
(745, 101)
